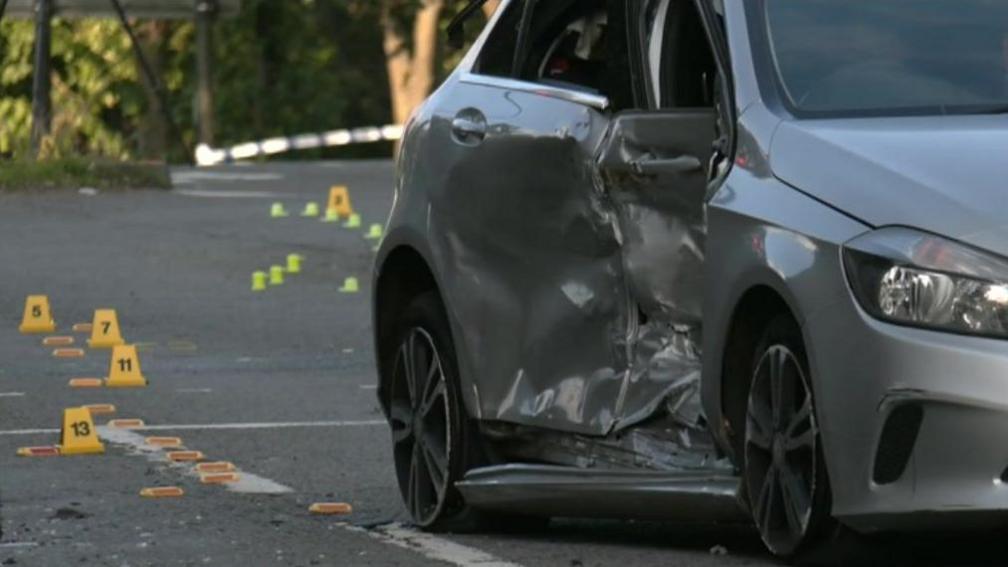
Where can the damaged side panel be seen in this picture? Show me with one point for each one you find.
(531, 262)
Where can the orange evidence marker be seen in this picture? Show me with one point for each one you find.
(58, 341)
(48, 451)
(185, 456)
(68, 353)
(217, 467)
(162, 492)
(218, 478)
(339, 202)
(82, 327)
(126, 423)
(170, 442)
(331, 508)
(100, 409)
(87, 383)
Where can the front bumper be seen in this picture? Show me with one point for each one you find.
(954, 466)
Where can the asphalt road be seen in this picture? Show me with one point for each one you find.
(279, 383)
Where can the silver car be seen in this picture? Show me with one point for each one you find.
(706, 259)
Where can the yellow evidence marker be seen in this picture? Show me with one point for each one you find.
(276, 275)
(258, 281)
(37, 316)
(351, 285)
(124, 369)
(294, 263)
(311, 209)
(277, 211)
(105, 329)
(78, 436)
(339, 203)
(375, 232)
(353, 222)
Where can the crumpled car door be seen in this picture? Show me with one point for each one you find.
(654, 167)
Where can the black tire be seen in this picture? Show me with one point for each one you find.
(785, 475)
(448, 436)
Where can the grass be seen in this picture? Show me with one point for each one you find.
(78, 172)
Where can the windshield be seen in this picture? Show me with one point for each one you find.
(850, 57)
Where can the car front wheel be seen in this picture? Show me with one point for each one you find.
(785, 474)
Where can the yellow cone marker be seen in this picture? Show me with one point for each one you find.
(87, 383)
(126, 423)
(294, 263)
(351, 285)
(124, 369)
(68, 353)
(258, 281)
(353, 222)
(105, 329)
(218, 478)
(217, 467)
(185, 456)
(78, 436)
(162, 492)
(47, 451)
(82, 327)
(100, 409)
(169, 442)
(331, 508)
(311, 209)
(58, 341)
(339, 202)
(276, 275)
(277, 211)
(37, 316)
(375, 232)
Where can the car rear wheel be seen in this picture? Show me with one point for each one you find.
(785, 474)
(432, 436)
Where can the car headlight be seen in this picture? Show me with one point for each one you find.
(913, 278)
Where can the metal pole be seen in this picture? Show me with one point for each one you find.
(153, 81)
(206, 13)
(41, 81)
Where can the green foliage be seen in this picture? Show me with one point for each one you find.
(281, 67)
(76, 172)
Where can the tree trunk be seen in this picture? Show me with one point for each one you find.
(490, 7)
(152, 130)
(411, 68)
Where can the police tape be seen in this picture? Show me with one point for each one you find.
(206, 155)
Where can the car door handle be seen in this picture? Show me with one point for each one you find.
(653, 166)
(468, 129)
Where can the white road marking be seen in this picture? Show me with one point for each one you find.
(11, 394)
(369, 386)
(433, 547)
(182, 177)
(220, 426)
(194, 390)
(220, 194)
(247, 483)
(13, 544)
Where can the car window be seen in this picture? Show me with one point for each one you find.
(680, 59)
(570, 45)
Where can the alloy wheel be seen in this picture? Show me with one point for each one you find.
(421, 426)
(780, 450)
